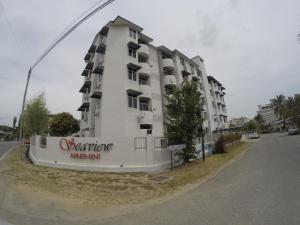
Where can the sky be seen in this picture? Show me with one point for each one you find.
(249, 46)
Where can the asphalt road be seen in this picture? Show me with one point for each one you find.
(261, 188)
(6, 146)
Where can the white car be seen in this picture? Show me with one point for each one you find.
(253, 135)
(293, 130)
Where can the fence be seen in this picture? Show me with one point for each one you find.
(160, 142)
(140, 143)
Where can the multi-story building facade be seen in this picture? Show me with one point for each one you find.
(126, 80)
(238, 122)
(267, 113)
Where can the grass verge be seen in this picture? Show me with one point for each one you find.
(105, 189)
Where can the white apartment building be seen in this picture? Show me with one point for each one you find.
(126, 80)
(238, 122)
(267, 113)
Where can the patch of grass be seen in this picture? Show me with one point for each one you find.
(103, 189)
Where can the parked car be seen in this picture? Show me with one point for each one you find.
(293, 130)
(253, 135)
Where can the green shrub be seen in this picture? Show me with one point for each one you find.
(220, 145)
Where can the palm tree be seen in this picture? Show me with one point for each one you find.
(280, 109)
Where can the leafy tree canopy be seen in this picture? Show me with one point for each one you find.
(63, 124)
(184, 111)
(36, 116)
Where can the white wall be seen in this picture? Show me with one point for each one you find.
(121, 158)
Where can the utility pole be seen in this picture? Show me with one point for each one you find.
(69, 30)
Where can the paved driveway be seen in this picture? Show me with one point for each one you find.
(262, 188)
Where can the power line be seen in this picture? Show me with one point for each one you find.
(13, 34)
(71, 29)
(95, 3)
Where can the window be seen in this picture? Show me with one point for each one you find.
(132, 33)
(146, 126)
(142, 59)
(211, 92)
(132, 52)
(131, 74)
(132, 101)
(182, 61)
(192, 68)
(199, 73)
(144, 105)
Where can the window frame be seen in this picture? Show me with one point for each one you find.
(132, 101)
(132, 33)
(132, 75)
(132, 52)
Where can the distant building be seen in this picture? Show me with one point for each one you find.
(238, 122)
(2, 135)
(267, 113)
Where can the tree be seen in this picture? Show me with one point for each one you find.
(280, 109)
(251, 126)
(184, 117)
(14, 122)
(294, 110)
(260, 122)
(36, 116)
(63, 124)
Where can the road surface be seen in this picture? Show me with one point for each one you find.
(6, 146)
(262, 188)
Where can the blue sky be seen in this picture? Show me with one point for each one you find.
(249, 46)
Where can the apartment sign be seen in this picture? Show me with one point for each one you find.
(83, 150)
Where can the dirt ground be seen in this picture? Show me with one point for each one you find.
(41, 191)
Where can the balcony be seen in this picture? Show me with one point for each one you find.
(168, 63)
(84, 107)
(85, 73)
(144, 50)
(98, 69)
(146, 91)
(145, 69)
(101, 48)
(146, 117)
(195, 77)
(170, 80)
(92, 49)
(86, 86)
(185, 72)
(104, 31)
(89, 65)
(88, 56)
(97, 93)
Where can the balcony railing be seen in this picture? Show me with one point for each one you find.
(170, 80)
(143, 50)
(144, 107)
(168, 63)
